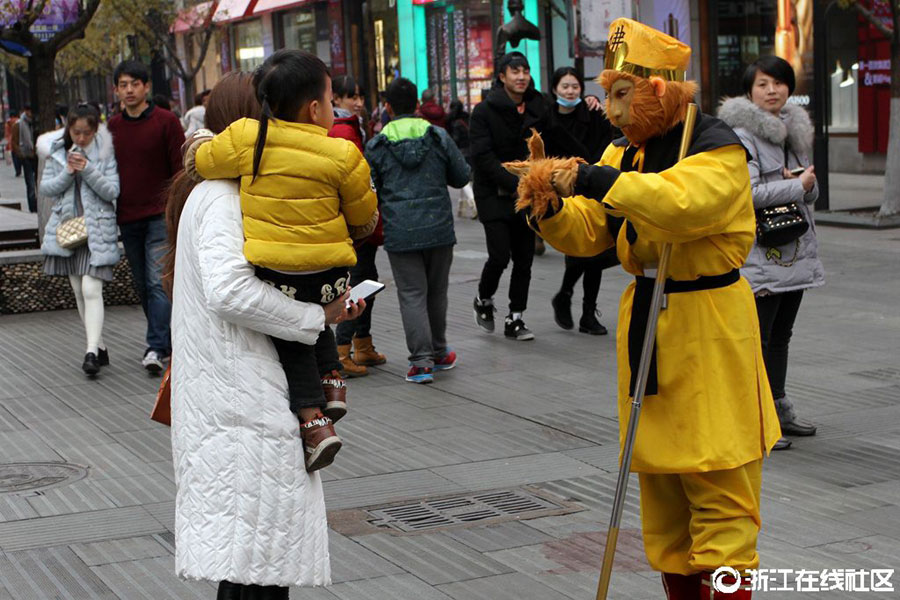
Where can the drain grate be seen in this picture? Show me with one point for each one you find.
(495, 506)
(26, 477)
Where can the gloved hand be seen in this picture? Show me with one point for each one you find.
(189, 151)
(543, 182)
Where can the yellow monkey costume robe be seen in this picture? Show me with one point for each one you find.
(713, 414)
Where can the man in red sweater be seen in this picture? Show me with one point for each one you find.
(148, 143)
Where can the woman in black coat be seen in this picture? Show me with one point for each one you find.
(573, 130)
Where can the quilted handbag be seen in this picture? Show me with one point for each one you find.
(72, 233)
(780, 225)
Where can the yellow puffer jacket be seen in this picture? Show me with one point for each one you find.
(309, 189)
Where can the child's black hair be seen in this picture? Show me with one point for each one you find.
(85, 111)
(402, 95)
(286, 82)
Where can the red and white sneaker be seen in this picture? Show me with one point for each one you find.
(446, 362)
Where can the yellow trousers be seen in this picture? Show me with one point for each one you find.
(696, 522)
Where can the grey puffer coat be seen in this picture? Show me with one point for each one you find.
(794, 266)
(99, 190)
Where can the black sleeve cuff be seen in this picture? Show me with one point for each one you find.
(594, 182)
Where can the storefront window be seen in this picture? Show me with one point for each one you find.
(249, 45)
(308, 29)
(460, 38)
(300, 30)
(386, 39)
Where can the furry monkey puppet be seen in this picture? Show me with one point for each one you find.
(709, 418)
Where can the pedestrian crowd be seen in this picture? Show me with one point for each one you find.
(247, 222)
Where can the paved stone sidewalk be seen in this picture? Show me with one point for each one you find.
(533, 418)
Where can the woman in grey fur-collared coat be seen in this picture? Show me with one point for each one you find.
(80, 176)
(778, 137)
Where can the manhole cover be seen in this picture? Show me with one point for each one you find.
(496, 506)
(26, 477)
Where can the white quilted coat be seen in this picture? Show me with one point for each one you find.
(246, 510)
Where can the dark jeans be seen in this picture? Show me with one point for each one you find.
(240, 591)
(29, 167)
(304, 364)
(422, 278)
(17, 163)
(508, 238)
(777, 313)
(145, 244)
(365, 269)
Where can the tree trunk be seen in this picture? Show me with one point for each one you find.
(42, 85)
(891, 203)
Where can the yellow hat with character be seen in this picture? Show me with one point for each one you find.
(640, 50)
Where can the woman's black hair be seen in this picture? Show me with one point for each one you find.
(345, 86)
(84, 111)
(773, 66)
(562, 72)
(285, 83)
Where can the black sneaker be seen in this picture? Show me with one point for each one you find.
(103, 357)
(516, 330)
(90, 366)
(484, 315)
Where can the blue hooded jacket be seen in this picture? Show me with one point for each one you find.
(412, 164)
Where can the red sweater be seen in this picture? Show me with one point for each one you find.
(148, 151)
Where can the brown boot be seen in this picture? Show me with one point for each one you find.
(320, 442)
(364, 352)
(335, 391)
(349, 369)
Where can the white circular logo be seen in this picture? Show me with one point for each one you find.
(726, 588)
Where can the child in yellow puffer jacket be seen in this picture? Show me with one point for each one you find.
(302, 207)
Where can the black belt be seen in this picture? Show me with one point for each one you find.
(640, 312)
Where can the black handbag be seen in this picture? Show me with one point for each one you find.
(780, 225)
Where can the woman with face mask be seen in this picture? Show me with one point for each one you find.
(573, 130)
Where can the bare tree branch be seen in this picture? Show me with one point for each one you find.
(75, 30)
(873, 20)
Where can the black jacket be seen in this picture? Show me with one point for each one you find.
(583, 133)
(497, 134)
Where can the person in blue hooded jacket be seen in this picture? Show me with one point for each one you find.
(412, 163)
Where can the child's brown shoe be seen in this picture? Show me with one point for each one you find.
(320, 442)
(335, 390)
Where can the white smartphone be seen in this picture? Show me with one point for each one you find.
(363, 290)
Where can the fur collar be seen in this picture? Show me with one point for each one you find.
(50, 143)
(794, 125)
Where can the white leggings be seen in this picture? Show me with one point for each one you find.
(89, 297)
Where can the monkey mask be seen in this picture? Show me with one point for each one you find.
(646, 96)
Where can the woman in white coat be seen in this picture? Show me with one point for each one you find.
(247, 514)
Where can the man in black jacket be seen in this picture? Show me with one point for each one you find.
(499, 127)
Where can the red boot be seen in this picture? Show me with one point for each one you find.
(726, 582)
(681, 587)
(335, 391)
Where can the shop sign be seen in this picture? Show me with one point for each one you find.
(56, 16)
(338, 50)
(875, 72)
